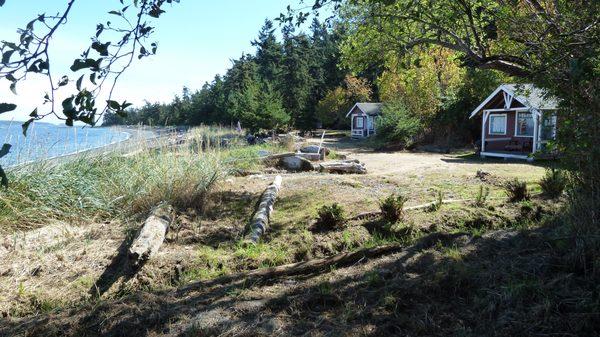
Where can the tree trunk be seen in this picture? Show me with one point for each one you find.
(152, 234)
(262, 215)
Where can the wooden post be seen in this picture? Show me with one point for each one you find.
(321, 145)
(535, 116)
(262, 215)
(485, 117)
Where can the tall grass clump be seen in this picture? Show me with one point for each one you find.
(98, 187)
(42, 191)
(553, 183)
(392, 207)
(183, 179)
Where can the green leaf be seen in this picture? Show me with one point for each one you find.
(6, 107)
(2, 3)
(68, 107)
(34, 113)
(5, 150)
(6, 56)
(25, 126)
(114, 105)
(13, 87)
(101, 48)
(78, 83)
(79, 64)
(63, 81)
(3, 178)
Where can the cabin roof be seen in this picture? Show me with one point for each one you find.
(372, 109)
(527, 94)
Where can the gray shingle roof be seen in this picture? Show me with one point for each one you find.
(528, 94)
(370, 108)
(532, 96)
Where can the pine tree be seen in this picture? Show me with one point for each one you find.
(269, 54)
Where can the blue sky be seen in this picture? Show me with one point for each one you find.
(197, 40)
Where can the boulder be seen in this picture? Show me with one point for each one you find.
(296, 163)
(314, 149)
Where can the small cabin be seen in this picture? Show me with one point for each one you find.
(363, 117)
(517, 120)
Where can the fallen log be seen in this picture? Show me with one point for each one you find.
(301, 268)
(365, 215)
(262, 215)
(152, 234)
(344, 166)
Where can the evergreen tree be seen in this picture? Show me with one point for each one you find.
(269, 54)
(297, 82)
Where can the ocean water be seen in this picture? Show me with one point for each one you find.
(46, 141)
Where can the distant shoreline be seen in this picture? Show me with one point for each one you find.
(132, 134)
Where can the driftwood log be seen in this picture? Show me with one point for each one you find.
(343, 166)
(152, 234)
(301, 268)
(262, 215)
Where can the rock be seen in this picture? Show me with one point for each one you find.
(264, 153)
(315, 149)
(296, 163)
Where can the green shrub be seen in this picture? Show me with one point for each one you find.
(392, 207)
(516, 190)
(553, 183)
(331, 217)
(398, 124)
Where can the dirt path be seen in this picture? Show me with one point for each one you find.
(405, 163)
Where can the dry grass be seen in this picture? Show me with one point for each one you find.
(205, 243)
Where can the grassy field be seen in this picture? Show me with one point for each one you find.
(72, 255)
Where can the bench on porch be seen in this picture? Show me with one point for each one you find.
(519, 146)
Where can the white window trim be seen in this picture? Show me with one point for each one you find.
(517, 124)
(490, 124)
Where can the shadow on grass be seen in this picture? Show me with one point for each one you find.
(472, 158)
(503, 284)
(120, 268)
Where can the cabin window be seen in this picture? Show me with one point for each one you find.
(359, 122)
(524, 127)
(497, 125)
(370, 123)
